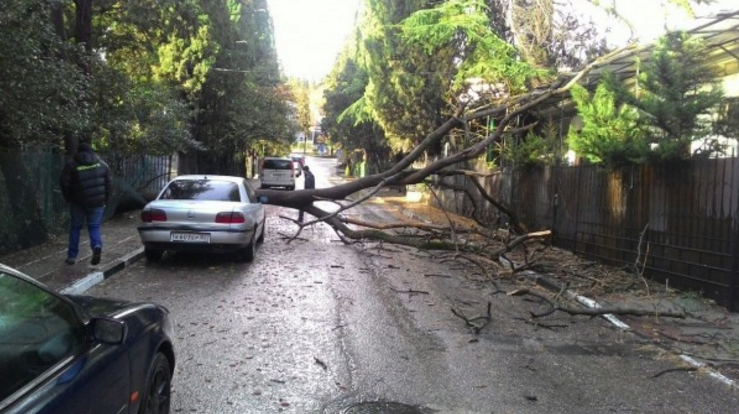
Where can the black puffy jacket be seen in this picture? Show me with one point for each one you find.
(310, 180)
(85, 180)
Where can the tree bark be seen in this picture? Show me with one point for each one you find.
(83, 23)
(57, 20)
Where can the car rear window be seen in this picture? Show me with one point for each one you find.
(208, 190)
(277, 164)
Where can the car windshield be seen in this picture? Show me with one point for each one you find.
(208, 190)
(37, 330)
(277, 164)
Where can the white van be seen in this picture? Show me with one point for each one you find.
(277, 172)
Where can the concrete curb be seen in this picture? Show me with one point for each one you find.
(92, 279)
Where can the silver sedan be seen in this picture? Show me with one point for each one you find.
(203, 213)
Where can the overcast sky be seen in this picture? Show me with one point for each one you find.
(651, 18)
(310, 34)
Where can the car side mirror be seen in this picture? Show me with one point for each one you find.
(109, 331)
(263, 199)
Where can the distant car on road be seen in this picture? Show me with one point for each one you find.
(300, 158)
(277, 172)
(211, 213)
(78, 354)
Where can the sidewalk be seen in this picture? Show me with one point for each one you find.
(45, 263)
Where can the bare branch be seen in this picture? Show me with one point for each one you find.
(476, 328)
(553, 307)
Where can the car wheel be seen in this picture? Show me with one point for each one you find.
(264, 230)
(156, 399)
(291, 188)
(153, 255)
(248, 253)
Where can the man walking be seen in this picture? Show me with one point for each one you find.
(309, 183)
(86, 185)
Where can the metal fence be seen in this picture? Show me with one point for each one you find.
(42, 207)
(681, 220)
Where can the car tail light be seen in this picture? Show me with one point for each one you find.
(230, 217)
(147, 216)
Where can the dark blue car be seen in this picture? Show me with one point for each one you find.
(77, 354)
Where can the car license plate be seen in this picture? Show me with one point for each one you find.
(190, 237)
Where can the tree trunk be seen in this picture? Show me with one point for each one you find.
(57, 20)
(83, 23)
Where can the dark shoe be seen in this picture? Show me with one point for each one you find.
(69, 261)
(96, 255)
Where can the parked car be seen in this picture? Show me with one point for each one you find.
(300, 158)
(78, 354)
(277, 172)
(211, 213)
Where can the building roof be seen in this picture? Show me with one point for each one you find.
(720, 34)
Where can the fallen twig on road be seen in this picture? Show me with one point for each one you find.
(321, 363)
(410, 291)
(471, 321)
(686, 369)
(553, 307)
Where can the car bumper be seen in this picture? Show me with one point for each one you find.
(219, 240)
(275, 183)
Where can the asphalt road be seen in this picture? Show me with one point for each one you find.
(315, 326)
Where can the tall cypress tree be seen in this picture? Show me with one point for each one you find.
(676, 90)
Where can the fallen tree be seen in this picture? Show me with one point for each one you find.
(506, 110)
(482, 247)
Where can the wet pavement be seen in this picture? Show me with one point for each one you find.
(706, 341)
(317, 326)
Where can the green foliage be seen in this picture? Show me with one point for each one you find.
(463, 25)
(301, 96)
(415, 58)
(534, 149)
(38, 89)
(677, 93)
(662, 119)
(612, 134)
(143, 89)
(187, 61)
(347, 119)
(407, 89)
(681, 90)
(159, 77)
